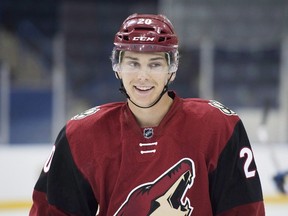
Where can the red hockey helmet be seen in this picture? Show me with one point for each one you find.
(146, 33)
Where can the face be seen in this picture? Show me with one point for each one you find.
(144, 75)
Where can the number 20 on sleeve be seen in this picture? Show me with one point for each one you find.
(247, 153)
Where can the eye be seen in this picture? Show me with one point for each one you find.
(155, 65)
(133, 64)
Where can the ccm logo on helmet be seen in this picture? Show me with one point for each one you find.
(143, 38)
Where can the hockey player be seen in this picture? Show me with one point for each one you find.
(157, 153)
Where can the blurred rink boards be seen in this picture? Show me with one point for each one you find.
(20, 166)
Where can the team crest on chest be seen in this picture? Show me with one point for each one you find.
(148, 133)
(166, 195)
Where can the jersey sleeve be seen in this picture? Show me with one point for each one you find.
(61, 188)
(235, 187)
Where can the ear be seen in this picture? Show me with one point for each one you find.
(117, 75)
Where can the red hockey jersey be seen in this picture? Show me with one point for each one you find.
(197, 162)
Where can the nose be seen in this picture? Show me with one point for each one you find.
(143, 73)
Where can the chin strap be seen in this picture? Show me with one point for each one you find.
(123, 91)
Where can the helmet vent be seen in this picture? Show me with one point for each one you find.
(161, 39)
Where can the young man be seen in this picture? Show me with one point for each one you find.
(157, 153)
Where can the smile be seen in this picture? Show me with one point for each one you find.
(143, 88)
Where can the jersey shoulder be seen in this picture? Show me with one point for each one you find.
(93, 130)
(98, 116)
(211, 113)
(203, 107)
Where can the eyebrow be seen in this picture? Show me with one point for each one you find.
(131, 58)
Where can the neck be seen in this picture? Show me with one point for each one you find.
(151, 117)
